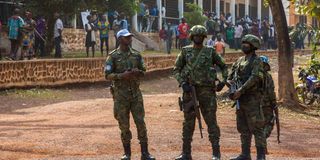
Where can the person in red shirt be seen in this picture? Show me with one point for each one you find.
(183, 29)
(163, 38)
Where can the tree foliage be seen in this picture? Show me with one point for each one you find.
(195, 17)
(310, 8)
(126, 6)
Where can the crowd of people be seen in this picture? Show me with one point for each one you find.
(221, 32)
(30, 34)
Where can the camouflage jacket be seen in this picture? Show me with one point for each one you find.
(198, 66)
(269, 96)
(249, 71)
(119, 62)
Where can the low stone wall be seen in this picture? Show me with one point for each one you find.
(54, 72)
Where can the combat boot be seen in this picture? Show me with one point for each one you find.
(216, 151)
(184, 156)
(127, 152)
(186, 152)
(261, 153)
(145, 155)
(245, 154)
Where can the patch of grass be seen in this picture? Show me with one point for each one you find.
(79, 54)
(34, 93)
(312, 113)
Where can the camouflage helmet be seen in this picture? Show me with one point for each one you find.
(252, 39)
(198, 30)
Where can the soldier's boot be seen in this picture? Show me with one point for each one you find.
(127, 152)
(245, 154)
(261, 153)
(186, 152)
(145, 155)
(216, 155)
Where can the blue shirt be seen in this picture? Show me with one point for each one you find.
(124, 24)
(142, 9)
(15, 23)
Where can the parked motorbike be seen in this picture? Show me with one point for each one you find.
(309, 90)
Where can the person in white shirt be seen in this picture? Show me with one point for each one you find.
(211, 41)
(58, 27)
(163, 14)
(271, 37)
(237, 35)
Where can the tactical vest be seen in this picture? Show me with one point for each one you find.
(122, 63)
(199, 68)
(244, 72)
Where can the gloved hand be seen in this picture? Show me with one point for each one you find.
(236, 95)
(220, 86)
(137, 73)
(186, 87)
(126, 75)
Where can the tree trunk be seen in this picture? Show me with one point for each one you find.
(286, 91)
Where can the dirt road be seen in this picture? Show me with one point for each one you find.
(85, 128)
(78, 123)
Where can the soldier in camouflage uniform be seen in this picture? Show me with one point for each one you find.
(248, 71)
(124, 67)
(195, 66)
(269, 101)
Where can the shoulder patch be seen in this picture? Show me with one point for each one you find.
(107, 68)
(188, 47)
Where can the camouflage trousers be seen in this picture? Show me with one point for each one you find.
(269, 123)
(208, 106)
(250, 120)
(122, 109)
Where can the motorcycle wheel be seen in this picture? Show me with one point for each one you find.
(309, 98)
(304, 96)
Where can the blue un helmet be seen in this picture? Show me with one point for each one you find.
(264, 59)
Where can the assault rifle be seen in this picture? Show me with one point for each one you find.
(233, 88)
(192, 105)
(276, 118)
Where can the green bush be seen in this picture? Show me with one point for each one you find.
(195, 17)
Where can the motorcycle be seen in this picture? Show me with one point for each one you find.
(309, 90)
